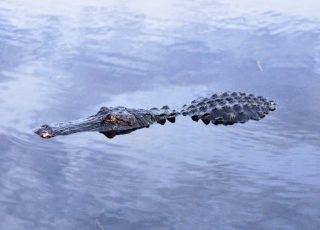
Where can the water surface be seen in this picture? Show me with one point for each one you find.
(63, 60)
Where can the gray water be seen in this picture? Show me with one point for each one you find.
(63, 60)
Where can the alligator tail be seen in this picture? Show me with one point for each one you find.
(224, 108)
(228, 108)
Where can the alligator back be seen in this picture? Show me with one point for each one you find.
(224, 108)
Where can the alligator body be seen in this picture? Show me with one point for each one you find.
(225, 108)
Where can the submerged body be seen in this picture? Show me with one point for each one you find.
(226, 108)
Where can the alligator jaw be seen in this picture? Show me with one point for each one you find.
(44, 131)
(91, 123)
(108, 121)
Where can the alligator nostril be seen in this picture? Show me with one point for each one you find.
(45, 135)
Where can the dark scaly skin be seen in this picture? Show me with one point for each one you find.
(226, 108)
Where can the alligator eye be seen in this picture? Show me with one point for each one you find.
(110, 118)
(45, 126)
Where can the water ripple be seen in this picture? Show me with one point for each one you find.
(63, 61)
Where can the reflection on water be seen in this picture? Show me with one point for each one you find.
(63, 60)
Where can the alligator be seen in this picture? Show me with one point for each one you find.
(223, 108)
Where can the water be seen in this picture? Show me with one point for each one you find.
(62, 60)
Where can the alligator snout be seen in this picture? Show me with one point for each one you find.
(45, 131)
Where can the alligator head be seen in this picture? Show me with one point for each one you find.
(45, 131)
(108, 121)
